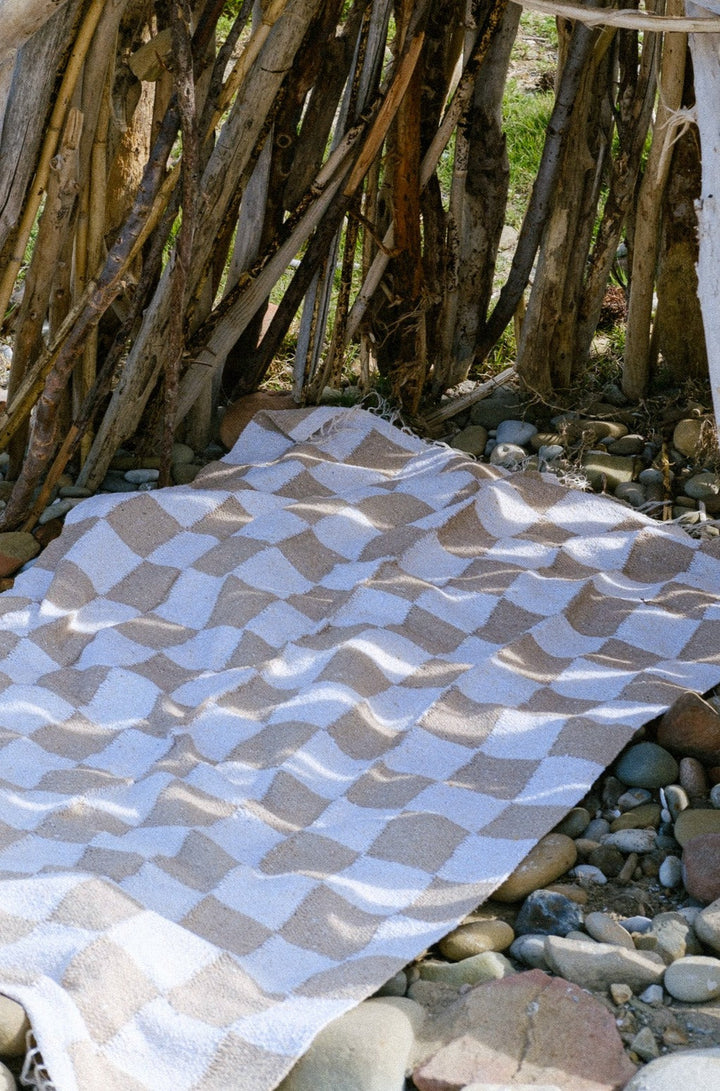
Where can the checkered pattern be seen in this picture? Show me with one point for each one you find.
(268, 736)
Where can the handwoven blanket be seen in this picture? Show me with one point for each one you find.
(266, 737)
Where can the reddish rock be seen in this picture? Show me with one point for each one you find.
(529, 1028)
(242, 411)
(693, 778)
(691, 727)
(701, 867)
(16, 548)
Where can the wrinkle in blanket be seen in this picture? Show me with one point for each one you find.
(266, 737)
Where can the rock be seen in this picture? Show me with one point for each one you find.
(607, 471)
(676, 799)
(654, 995)
(608, 858)
(707, 925)
(691, 727)
(142, 475)
(488, 966)
(553, 855)
(530, 1029)
(238, 415)
(574, 823)
(675, 937)
(588, 873)
(17, 547)
(472, 440)
(114, 481)
(632, 492)
(181, 454)
(598, 965)
(640, 925)
(634, 797)
(692, 1069)
(14, 1025)
(546, 913)
(694, 979)
(396, 986)
(549, 453)
(530, 950)
(645, 1045)
(701, 866)
(706, 487)
(476, 937)
(604, 929)
(183, 473)
(7, 1080)
(503, 404)
(646, 814)
(715, 795)
(646, 765)
(620, 993)
(366, 1049)
(687, 435)
(515, 431)
(631, 444)
(508, 455)
(631, 840)
(598, 828)
(670, 873)
(57, 510)
(694, 822)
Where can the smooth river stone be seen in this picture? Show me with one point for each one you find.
(691, 727)
(696, 822)
(694, 979)
(476, 937)
(476, 970)
(553, 855)
(647, 814)
(600, 965)
(646, 765)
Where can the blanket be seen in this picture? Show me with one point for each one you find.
(266, 737)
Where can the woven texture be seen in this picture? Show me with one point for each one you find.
(266, 737)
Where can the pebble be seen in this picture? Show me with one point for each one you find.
(634, 797)
(675, 937)
(621, 993)
(366, 1049)
(686, 436)
(396, 986)
(488, 966)
(575, 822)
(706, 487)
(502, 404)
(553, 855)
(608, 470)
(715, 795)
(516, 432)
(694, 1069)
(694, 979)
(637, 924)
(7, 1080)
(14, 1025)
(676, 799)
(691, 726)
(608, 858)
(142, 476)
(701, 866)
(670, 873)
(549, 453)
(545, 912)
(646, 814)
(597, 828)
(508, 455)
(654, 995)
(56, 510)
(598, 965)
(707, 925)
(632, 492)
(602, 928)
(645, 1045)
(646, 765)
(530, 950)
(587, 873)
(694, 822)
(631, 840)
(472, 440)
(476, 937)
(182, 453)
(631, 444)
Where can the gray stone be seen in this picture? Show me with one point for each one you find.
(632, 492)
(706, 487)
(515, 431)
(645, 1045)
(604, 929)
(142, 475)
(597, 828)
(74, 492)
(56, 510)
(587, 874)
(694, 979)
(574, 823)
(694, 1069)
(396, 986)
(646, 765)
(503, 404)
(631, 444)
(637, 924)
(181, 453)
(675, 937)
(654, 995)
(471, 440)
(676, 799)
(115, 482)
(366, 1049)
(545, 912)
(508, 455)
(475, 937)
(631, 840)
(634, 797)
(530, 950)
(687, 435)
(607, 470)
(670, 873)
(476, 970)
(715, 795)
(599, 965)
(550, 452)
(707, 925)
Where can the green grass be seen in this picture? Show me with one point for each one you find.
(525, 118)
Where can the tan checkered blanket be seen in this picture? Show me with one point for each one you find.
(268, 736)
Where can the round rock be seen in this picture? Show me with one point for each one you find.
(701, 867)
(707, 925)
(544, 912)
(694, 979)
(631, 840)
(600, 965)
(574, 823)
(646, 765)
(475, 937)
(604, 929)
(476, 970)
(472, 440)
(553, 855)
(706, 487)
(508, 455)
(14, 1025)
(515, 431)
(691, 727)
(695, 822)
(366, 1049)
(692, 1068)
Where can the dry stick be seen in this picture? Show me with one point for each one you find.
(57, 118)
(454, 112)
(185, 89)
(579, 50)
(636, 368)
(453, 406)
(629, 18)
(56, 365)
